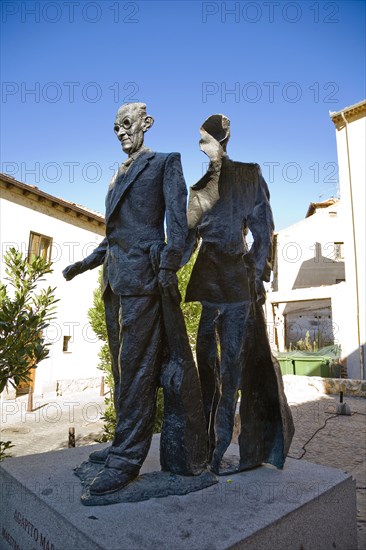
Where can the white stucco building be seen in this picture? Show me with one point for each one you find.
(319, 273)
(308, 279)
(35, 222)
(350, 125)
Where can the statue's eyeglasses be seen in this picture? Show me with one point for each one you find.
(126, 124)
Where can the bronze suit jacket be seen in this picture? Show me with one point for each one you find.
(219, 274)
(136, 207)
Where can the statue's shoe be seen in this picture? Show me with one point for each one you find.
(99, 457)
(110, 480)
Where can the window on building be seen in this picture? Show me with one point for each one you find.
(338, 251)
(66, 342)
(39, 245)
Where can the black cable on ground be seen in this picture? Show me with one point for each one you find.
(314, 434)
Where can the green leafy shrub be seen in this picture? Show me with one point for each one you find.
(191, 310)
(23, 318)
(4, 446)
(24, 315)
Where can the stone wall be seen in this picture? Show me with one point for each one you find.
(332, 386)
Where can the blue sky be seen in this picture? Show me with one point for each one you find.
(275, 69)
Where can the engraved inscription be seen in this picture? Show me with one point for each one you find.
(33, 532)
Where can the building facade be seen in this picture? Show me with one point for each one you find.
(308, 279)
(37, 223)
(350, 126)
(319, 279)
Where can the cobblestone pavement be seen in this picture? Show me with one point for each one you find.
(47, 427)
(321, 436)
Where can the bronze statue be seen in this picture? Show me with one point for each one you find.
(233, 351)
(146, 332)
(139, 283)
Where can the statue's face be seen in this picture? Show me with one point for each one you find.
(210, 146)
(129, 127)
(215, 133)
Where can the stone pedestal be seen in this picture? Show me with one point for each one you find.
(303, 507)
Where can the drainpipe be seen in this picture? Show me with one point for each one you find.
(354, 248)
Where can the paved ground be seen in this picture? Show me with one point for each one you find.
(321, 436)
(47, 427)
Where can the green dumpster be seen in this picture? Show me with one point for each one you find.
(285, 363)
(324, 363)
(311, 366)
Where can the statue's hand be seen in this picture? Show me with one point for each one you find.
(72, 270)
(260, 292)
(168, 283)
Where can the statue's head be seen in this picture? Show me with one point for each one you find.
(130, 125)
(215, 133)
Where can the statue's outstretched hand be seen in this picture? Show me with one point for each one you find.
(72, 270)
(168, 283)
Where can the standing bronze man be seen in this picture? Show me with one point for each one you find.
(227, 279)
(147, 188)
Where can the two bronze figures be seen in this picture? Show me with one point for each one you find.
(146, 332)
